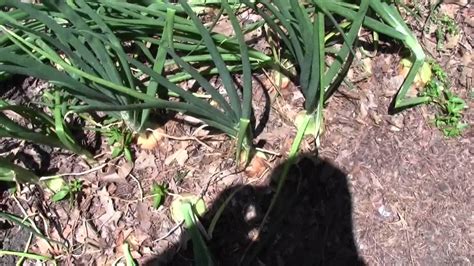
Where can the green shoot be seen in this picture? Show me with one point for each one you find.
(119, 139)
(188, 208)
(69, 191)
(128, 255)
(159, 193)
(202, 255)
(27, 255)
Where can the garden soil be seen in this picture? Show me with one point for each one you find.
(381, 189)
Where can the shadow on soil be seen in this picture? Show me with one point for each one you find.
(311, 223)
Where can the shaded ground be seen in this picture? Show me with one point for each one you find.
(410, 187)
(311, 223)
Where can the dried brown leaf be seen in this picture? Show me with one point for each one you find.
(180, 156)
(111, 216)
(257, 166)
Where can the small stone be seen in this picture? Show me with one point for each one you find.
(384, 212)
(250, 213)
(443, 187)
(394, 129)
(397, 121)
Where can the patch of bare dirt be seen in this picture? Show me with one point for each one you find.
(412, 187)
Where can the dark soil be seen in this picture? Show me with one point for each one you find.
(11, 237)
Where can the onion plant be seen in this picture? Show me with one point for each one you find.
(42, 129)
(385, 19)
(10, 172)
(299, 30)
(82, 51)
(300, 26)
(302, 31)
(145, 24)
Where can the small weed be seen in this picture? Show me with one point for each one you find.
(68, 191)
(120, 141)
(445, 25)
(449, 120)
(159, 193)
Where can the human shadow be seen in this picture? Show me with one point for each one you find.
(311, 223)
